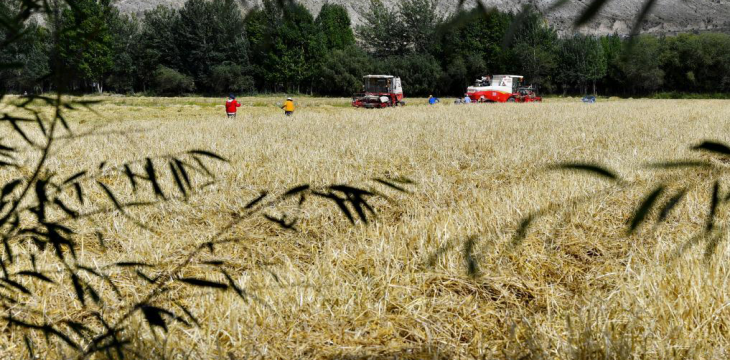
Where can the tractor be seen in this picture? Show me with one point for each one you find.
(379, 91)
(502, 88)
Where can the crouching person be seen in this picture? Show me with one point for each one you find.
(288, 107)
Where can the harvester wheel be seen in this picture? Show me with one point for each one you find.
(512, 99)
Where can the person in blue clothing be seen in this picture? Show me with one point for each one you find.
(432, 100)
(467, 99)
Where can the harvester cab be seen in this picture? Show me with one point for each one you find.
(379, 91)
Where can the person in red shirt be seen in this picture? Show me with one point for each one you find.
(232, 106)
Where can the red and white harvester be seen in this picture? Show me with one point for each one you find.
(502, 88)
(379, 91)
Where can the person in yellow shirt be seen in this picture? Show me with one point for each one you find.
(288, 106)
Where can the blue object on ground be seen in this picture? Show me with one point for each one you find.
(589, 99)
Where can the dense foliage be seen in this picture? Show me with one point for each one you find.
(210, 47)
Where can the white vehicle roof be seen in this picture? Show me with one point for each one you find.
(379, 76)
(512, 76)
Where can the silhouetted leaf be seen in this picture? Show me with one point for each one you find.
(214, 262)
(145, 277)
(153, 315)
(79, 192)
(93, 294)
(522, 230)
(16, 285)
(296, 190)
(355, 197)
(29, 347)
(62, 119)
(9, 187)
(587, 167)
(21, 133)
(131, 176)
(178, 179)
(46, 329)
(645, 10)
(188, 313)
(152, 177)
(41, 126)
(79, 288)
(255, 201)
(203, 283)
(713, 206)
(80, 329)
(391, 185)
(208, 154)
(241, 293)
(183, 173)
(131, 264)
(74, 177)
(36, 275)
(111, 196)
(645, 208)
(431, 262)
(515, 26)
(713, 147)
(73, 214)
(679, 164)
(711, 246)
(103, 277)
(590, 12)
(281, 222)
(471, 262)
(202, 166)
(671, 204)
(40, 191)
(342, 205)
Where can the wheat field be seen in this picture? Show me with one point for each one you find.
(438, 273)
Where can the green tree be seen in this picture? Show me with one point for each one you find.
(696, 63)
(383, 33)
(582, 62)
(158, 44)
(421, 19)
(287, 45)
(535, 46)
(334, 23)
(420, 73)
(342, 71)
(469, 45)
(210, 33)
(172, 82)
(230, 77)
(124, 73)
(613, 50)
(30, 53)
(260, 28)
(641, 65)
(85, 47)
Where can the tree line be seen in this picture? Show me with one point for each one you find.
(211, 47)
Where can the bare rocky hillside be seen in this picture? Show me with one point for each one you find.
(668, 17)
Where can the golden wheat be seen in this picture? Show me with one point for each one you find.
(576, 286)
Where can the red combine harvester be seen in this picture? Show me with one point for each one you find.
(502, 88)
(379, 91)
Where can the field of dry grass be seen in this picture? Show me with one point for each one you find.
(437, 274)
